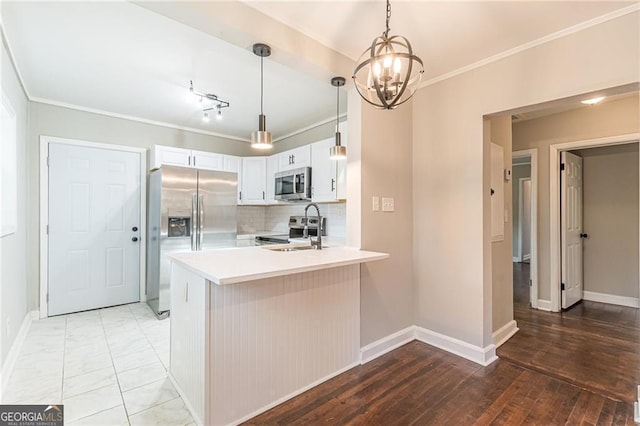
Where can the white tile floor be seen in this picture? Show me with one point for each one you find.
(107, 366)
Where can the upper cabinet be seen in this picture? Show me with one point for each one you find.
(233, 163)
(186, 157)
(328, 177)
(254, 173)
(294, 158)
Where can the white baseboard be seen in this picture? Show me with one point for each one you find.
(483, 356)
(544, 305)
(526, 257)
(612, 299)
(504, 333)
(636, 411)
(293, 394)
(14, 351)
(387, 344)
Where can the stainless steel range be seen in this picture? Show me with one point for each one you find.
(296, 230)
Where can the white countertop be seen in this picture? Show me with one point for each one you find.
(235, 265)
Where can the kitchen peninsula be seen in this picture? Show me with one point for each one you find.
(252, 327)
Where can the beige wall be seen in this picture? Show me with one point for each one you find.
(610, 218)
(315, 134)
(617, 117)
(452, 266)
(518, 172)
(501, 261)
(386, 286)
(13, 247)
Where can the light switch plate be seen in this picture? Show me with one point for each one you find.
(388, 204)
(375, 203)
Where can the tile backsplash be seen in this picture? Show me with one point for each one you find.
(252, 219)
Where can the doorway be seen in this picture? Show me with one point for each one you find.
(92, 214)
(601, 219)
(525, 218)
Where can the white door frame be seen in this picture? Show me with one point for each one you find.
(521, 182)
(533, 267)
(554, 202)
(44, 210)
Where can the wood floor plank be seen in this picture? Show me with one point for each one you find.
(578, 367)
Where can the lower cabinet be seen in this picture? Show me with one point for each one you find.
(188, 337)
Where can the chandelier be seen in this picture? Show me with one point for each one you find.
(388, 73)
(208, 102)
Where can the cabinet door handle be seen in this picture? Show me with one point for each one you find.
(240, 195)
(333, 185)
(263, 197)
(293, 159)
(194, 160)
(189, 160)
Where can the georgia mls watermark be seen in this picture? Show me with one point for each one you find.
(31, 415)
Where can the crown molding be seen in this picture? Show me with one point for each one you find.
(311, 126)
(526, 46)
(5, 42)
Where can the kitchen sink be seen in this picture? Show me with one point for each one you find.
(294, 248)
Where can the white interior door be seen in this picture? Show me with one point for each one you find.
(94, 228)
(525, 222)
(571, 226)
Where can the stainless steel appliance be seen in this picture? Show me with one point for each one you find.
(293, 185)
(297, 224)
(189, 209)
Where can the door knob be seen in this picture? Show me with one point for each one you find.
(134, 239)
(134, 229)
(582, 235)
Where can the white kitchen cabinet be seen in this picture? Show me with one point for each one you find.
(328, 177)
(272, 168)
(254, 174)
(323, 172)
(294, 158)
(207, 160)
(173, 156)
(188, 328)
(234, 164)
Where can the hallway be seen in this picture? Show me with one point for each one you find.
(592, 345)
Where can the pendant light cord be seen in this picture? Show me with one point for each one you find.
(386, 33)
(261, 84)
(338, 110)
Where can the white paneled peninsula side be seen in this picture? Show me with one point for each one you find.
(253, 327)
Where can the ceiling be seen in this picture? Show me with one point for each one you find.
(126, 60)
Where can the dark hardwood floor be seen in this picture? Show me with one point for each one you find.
(558, 369)
(592, 345)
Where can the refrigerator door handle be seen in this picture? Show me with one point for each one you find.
(194, 220)
(200, 220)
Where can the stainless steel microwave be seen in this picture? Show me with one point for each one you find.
(293, 185)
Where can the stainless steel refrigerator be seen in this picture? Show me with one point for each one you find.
(188, 209)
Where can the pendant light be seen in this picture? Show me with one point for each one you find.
(261, 139)
(388, 73)
(338, 152)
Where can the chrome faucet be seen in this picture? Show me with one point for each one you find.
(317, 244)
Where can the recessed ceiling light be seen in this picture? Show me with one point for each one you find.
(593, 101)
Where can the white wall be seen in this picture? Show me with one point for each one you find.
(13, 247)
(452, 261)
(501, 261)
(610, 218)
(617, 117)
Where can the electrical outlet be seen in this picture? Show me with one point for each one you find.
(388, 204)
(506, 215)
(375, 203)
